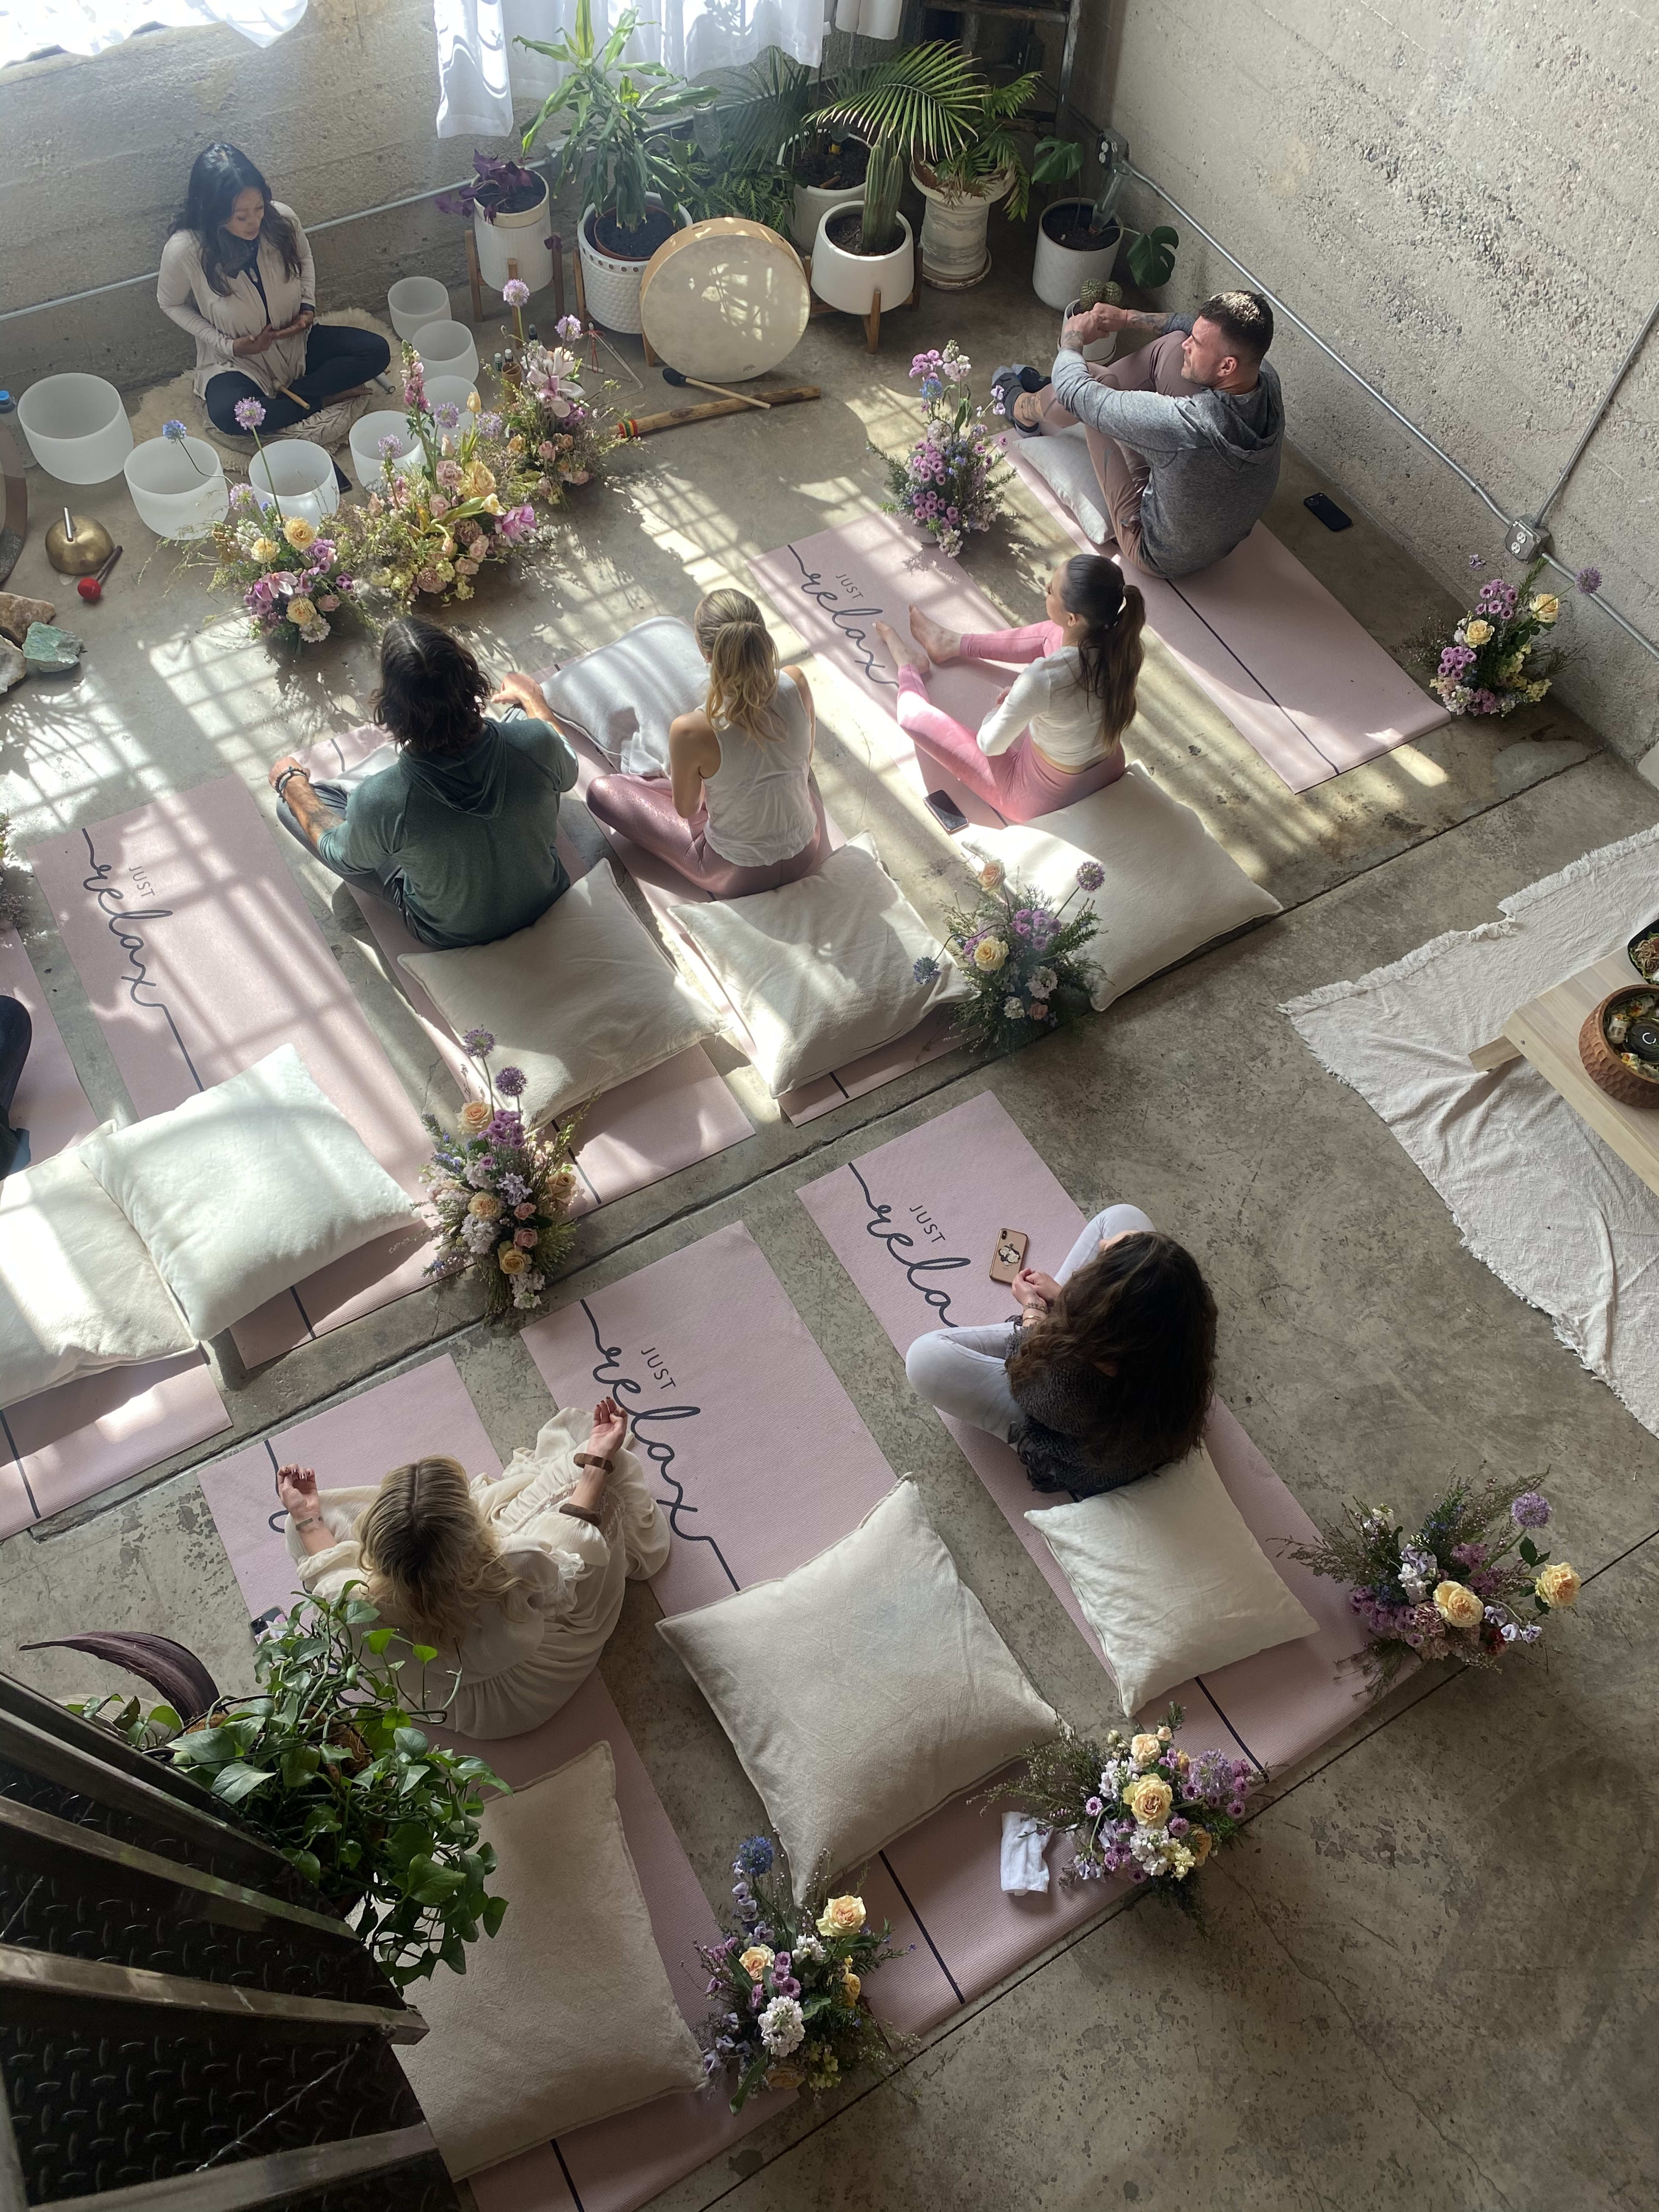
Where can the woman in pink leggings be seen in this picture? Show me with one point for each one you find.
(1056, 734)
(738, 811)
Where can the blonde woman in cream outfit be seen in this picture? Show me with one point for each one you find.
(738, 811)
(518, 1582)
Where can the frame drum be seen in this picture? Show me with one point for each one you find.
(725, 300)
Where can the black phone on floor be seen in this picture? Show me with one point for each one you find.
(945, 811)
(1327, 511)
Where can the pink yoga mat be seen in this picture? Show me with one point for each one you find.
(199, 957)
(761, 1459)
(1285, 660)
(914, 1224)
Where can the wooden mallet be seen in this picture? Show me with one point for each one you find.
(724, 391)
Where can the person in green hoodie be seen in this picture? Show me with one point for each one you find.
(455, 819)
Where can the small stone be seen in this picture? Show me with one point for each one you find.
(17, 613)
(12, 670)
(49, 652)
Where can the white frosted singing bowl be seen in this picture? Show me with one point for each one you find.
(178, 489)
(446, 349)
(299, 476)
(77, 427)
(457, 390)
(367, 433)
(415, 302)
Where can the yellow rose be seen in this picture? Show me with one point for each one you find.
(842, 1916)
(477, 480)
(1558, 1585)
(850, 1986)
(1546, 608)
(992, 874)
(474, 402)
(989, 954)
(513, 1262)
(485, 1204)
(756, 1960)
(786, 2075)
(474, 1116)
(1458, 1605)
(515, 444)
(300, 534)
(1476, 633)
(1150, 1799)
(265, 549)
(1144, 1749)
(1199, 1843)
(492, 505)
(300, 612)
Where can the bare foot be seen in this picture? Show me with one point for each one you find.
(903, 655)
(938, 643)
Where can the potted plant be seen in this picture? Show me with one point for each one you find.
(918, 106)
(615, 145)
(960, 188)
(508, 206)
(1077, 239)
(733, 164)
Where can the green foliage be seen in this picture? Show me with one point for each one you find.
(924, 104)
(613, 115)
(1101, 292)
(993, 148)
(326, 1761)
(1152, 255)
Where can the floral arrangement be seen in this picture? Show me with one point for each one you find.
(1493, 665)
(1469, 1585)
(294, 581)
(544, 403)
(1020, 955)
(945, 484)
(788, 1981)
(501, 1193)
(1137, 1805)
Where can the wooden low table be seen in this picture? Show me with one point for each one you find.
(1546, 1032)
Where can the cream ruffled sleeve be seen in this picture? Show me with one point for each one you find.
(327, 1573)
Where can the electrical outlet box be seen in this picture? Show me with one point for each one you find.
(1525, 541)
(1113, 149)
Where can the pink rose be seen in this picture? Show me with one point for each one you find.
(440, 506)
(328, 602)
(525, 1239)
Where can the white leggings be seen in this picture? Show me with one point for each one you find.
(964, 1371)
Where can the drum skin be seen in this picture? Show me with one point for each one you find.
(725, 300)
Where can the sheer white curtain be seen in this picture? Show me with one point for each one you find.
(480, 69)
(86, 26)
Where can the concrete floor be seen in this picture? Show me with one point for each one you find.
(1425, 1974)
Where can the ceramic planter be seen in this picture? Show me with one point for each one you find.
(1060, 272)
(954, 255)
(813, 203)
(1097, 349)
(851, 280)
(612, 284)
(522, 238)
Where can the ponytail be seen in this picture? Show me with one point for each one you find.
(1110, 647)
(743, 665)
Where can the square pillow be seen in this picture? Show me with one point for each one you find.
(78, 1292)
(247, 1188)
(581, 1000)
(863, 1690)
(1169, 1578)
(1063, 463)
(1170, 887)
(567, 2016)
(622, 696)
(824, 970)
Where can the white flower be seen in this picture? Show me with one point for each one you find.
(1013, 1010)
(1044, 983)
(808, 1948)
(781, 2026)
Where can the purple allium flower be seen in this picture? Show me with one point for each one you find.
(1588, 580)
(569, 327)
(755, 1856)
(1530, 1510)
(175, 432)
(925, 968)
(1091, 876)
(477, 1042)
(490, 426)
(447, 415)
(515, 291)
(511, 1082)
(249, 413)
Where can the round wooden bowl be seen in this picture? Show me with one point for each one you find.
(1602, 1064)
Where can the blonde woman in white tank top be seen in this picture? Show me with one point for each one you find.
(738, 811)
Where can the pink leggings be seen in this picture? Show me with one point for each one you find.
(1019, 783)
(642, 808)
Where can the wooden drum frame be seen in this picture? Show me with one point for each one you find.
(724, 300)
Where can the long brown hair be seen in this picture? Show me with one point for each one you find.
(218, 175)
(1143, 1311)
(432, 1561)
(433, 692)
(743, 665)
(1110, 646)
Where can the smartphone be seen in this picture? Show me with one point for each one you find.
(1010, 1255)
(945, 811)
(1327, 511)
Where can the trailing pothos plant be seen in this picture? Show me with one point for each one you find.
(326, 1760)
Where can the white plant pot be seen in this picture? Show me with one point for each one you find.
(178, 488)
(954, 255)
(611, 284)
(77, 427)
(414, 301)
(367, 433)
(1060, 272)
(446, 349)
(851, 280)
(457, 391)
(812, 204)
(1097, 349)
(297, 474)
(522, 238)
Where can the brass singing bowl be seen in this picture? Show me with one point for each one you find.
(81, 552)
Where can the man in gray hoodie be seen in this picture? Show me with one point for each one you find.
(1185, 434)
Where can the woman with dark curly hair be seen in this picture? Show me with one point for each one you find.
(1105, 1374)
(455, 819)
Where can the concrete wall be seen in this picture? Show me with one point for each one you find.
(1461, 196)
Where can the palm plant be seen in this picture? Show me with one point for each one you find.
(614, 116)
(744, 173)
(922, 105)
(992, 151)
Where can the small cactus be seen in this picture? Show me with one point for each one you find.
(1102, 292)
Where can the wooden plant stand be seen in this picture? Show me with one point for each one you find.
(871, 321)
(475, 278)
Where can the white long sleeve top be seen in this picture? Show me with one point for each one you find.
(216, 319)
(1047, 698)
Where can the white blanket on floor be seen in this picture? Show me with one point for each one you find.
(1535, 1192)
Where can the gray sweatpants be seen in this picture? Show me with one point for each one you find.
(964, 1371)
(334, 794)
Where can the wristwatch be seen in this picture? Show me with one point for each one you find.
(592, 1459)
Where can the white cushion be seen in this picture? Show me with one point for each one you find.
(822, 971)
(247, 1188)
(622, 696)
(78, 1292)
(862, 1691)
(567, 2016)
(581, 1000)
(1170, 887)
(1064, 464)
(1169, 1578)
